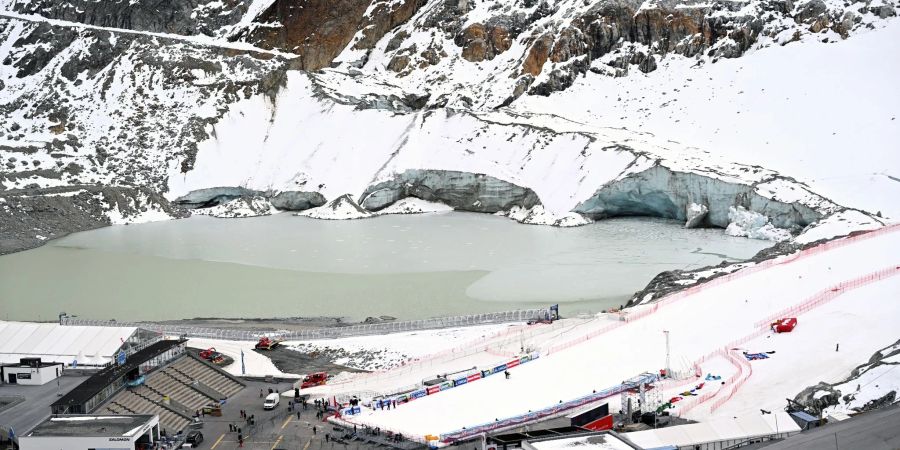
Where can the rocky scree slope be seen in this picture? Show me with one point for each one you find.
(106, 111)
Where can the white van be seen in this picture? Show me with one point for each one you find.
(272, 401)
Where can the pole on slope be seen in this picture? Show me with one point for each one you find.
(668, 360)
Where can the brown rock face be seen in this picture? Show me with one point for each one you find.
(569, 43)
(398, 63)
(383, 19)
(318, 30)
(537, 55)
(481, 42)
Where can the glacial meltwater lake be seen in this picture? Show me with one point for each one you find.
(408, 266)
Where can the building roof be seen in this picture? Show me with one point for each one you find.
(54, 342)
(716, 430)
(89, 426)
(804, 416)
(604, 441)
(93, 385)
(43, 364)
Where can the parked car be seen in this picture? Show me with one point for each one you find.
(194, 438)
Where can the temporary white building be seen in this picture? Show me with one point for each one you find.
(88, 345)
(717, 434)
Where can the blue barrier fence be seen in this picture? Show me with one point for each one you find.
(419, 393)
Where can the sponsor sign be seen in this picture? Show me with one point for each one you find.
(512, 363)
(418, 394)
(460, 381)
(433, 389)
(473, 377)
(445, 385)
(499, 368)
(23, 376)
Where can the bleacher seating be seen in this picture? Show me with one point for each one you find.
(209, 376)
(178, 391)
(129, 402)
(177, 382)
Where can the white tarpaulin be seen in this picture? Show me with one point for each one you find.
(739, 428)
(57, 343)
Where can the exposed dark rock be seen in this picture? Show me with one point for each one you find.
(463, 191)
(204, 198)
(297, 200)
(187, 17)
(318, 30)
(30, 217)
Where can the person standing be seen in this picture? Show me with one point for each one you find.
(240, 440)
(314, 430)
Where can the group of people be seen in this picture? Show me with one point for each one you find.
(386, 404)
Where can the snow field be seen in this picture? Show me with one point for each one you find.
(255, 363)
(859, 321)
(706, 321)
(777, 107)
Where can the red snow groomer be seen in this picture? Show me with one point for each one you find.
(267, 343)
(212, 355)
(314, 379)
(785, 325)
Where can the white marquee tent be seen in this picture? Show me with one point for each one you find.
(715, 433)
(56, 343)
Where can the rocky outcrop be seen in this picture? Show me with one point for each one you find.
(186, 17)
(249, 206)
(297, 200)
(481, 42)
(30, 217)
(341, 208)
(384, 16)
(319, 30)
(463, 191)
(857, 392)
(661, 192)
(205, 198)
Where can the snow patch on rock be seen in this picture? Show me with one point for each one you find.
(341, 208)
(412, 205)
(240, 207)
(838, 224)
(537, 215)
(754, 226)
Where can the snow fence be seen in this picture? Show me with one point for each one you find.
(523, 315)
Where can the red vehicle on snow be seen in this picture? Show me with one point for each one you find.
(784, 325)
(212, 355)
(314, 379)
(267, 343)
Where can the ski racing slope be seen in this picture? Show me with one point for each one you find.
(699, 324)
(829, 342)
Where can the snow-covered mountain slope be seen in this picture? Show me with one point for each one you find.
(195, 94)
